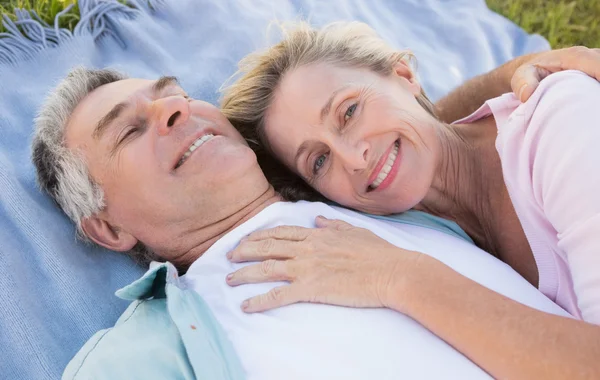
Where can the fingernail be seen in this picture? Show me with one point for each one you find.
(521, 90)
(245, 305)
(229, 277)
(229, 254)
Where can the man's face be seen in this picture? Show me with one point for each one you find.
(170, 166)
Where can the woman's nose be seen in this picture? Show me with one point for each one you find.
(170, 112)
(354, 156)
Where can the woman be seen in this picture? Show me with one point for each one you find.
(344, 111)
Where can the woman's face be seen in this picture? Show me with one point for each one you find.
(359, 138)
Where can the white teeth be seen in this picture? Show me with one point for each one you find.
(193, 147)
(386, 167)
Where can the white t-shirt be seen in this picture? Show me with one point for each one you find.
(310, 341)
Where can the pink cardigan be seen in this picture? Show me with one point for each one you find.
(550, 153)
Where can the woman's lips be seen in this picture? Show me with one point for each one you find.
(386, 168)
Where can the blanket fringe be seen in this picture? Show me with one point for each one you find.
(29, 34)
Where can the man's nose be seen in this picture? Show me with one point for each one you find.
(354, 156)
(170, 112)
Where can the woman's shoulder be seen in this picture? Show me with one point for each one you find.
(568, 89)
(563, 111)
(565, 77)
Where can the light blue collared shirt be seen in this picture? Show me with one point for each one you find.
(167, 332)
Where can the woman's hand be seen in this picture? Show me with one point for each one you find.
(528, 76)
(335, 264)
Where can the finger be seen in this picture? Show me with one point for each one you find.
(262, 250)
(276, 297)
(574, 58)
(340, 225)
(583, 59)
(266, 271)
(525, 81)
(293, 233)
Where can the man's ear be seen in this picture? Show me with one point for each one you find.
(407, 77)
(106, 235)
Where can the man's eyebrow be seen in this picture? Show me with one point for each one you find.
(111, 116)
(164, 82)
(114, 113)
(327, 107)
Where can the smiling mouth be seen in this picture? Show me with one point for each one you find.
(195, 145)
(387, 167)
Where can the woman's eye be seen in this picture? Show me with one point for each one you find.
(319, 162)
(350, 112)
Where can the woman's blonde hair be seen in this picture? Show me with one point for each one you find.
(246, 100)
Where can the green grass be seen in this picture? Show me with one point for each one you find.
(562, 22)
(46, 9)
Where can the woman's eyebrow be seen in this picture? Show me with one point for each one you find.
(306, 145)
(303, 147)
(327, 107)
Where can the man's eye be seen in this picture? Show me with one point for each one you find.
(319, 162)
(129, 132)
(350, 112)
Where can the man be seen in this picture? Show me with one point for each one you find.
(142, 168)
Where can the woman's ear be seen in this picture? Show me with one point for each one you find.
(407, 77)
(106, 235)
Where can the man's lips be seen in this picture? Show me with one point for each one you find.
(188, 142)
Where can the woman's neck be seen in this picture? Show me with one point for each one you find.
(468, 180)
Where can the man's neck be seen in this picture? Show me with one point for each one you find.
(464, 188)
(218, 229)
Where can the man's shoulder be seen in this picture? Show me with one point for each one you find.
(145, 334)
(145, 342)
(167, 332)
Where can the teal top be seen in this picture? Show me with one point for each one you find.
(168, 331)
(423, 219)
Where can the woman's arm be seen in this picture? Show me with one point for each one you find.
(343, 265)
(521, 76)
(507, 339)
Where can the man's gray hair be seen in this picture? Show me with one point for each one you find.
(63, 172)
